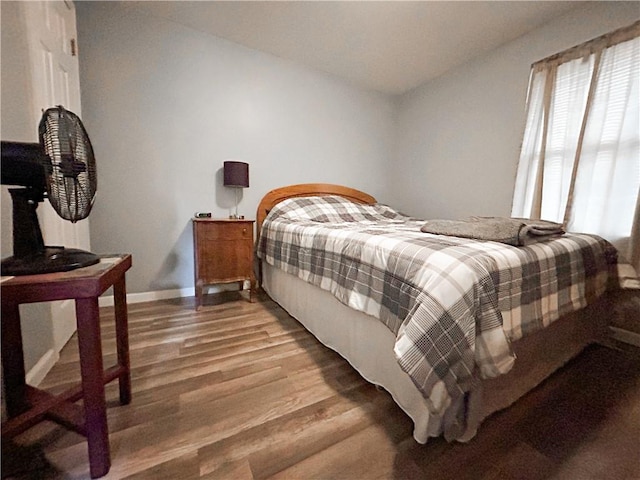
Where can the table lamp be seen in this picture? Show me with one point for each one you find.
(236, 176)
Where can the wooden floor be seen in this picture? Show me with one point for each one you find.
(241, 391)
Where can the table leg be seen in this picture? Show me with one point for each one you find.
(13, 359)
(91, 370)
(199, 287)
(253, 288)
(122, 339)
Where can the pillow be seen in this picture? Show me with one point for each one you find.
(332, 209)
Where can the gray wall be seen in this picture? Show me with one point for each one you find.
(459, 135)
(165, 105)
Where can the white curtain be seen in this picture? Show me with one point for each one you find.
(580, 158)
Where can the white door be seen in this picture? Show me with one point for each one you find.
(53, 61)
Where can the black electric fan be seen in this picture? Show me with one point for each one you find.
(61, 167)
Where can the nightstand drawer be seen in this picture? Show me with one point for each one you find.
(213, 231)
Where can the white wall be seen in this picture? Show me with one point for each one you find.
(459, 135)
(165, 105)
(16, 126)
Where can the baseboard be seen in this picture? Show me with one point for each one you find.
(42, 367)
(625, 336)
(107, 301)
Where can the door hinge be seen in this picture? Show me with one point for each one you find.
(73, 47)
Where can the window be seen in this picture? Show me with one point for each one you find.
(580, 158)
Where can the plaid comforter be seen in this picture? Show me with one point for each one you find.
(454, 304)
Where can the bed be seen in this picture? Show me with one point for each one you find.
(449, 358)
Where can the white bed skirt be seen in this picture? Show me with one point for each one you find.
(343, 330)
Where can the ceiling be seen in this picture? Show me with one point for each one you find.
(388, 46)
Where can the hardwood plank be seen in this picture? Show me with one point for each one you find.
(327, 415)
(238, 470)
(241, 390)
(367, 453)
(184, 468)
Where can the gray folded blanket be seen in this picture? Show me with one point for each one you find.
(512, 231)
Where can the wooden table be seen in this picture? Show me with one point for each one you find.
(27, 405)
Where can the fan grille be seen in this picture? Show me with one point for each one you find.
(70, 164)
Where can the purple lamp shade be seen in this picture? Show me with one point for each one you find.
(236, 174)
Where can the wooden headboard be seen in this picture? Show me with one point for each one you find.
(307, 190)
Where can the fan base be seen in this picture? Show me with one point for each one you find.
(51, 260)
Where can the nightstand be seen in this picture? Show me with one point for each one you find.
(223, 253)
